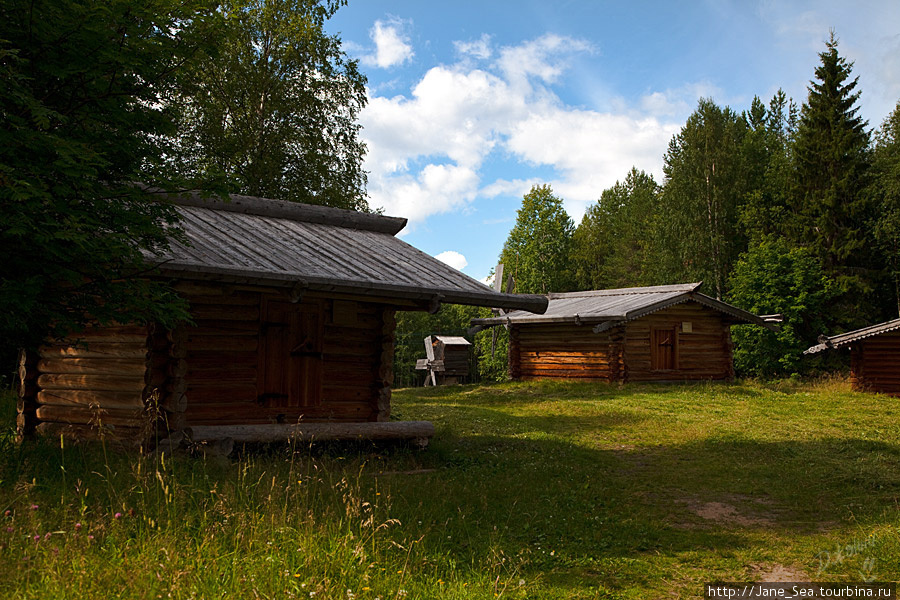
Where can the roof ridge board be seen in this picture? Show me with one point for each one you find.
(282, 209)
(632, 291)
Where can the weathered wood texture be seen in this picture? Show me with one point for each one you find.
(26, 406)
(100, 379)
(875, 364)
(560, 351)
(702, 353)
(656, 347)
(257, 358)
(249, 358)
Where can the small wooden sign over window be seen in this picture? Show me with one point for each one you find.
(687, 327)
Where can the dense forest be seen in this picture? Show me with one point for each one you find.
(778, 208)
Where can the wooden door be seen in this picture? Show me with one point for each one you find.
(663, 348)
(290, 354)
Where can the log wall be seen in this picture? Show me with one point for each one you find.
(703, 353)
(224, 357)
(564, 351)
(137, 384)
(875, 364)
(97, 384)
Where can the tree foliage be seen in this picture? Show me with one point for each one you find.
(885, 193)
(610, 246)
(274, 110)
(774, 277)
(85, 88)
(538, 248)
(704, 189)
(829, 176)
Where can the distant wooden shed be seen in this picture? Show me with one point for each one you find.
(446, 359)
(660, 333)
(293, 308)
(874, 356)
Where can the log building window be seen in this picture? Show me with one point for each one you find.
(290, 354)
(664, 349)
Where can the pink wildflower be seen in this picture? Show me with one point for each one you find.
(118, 515)
(77, 526)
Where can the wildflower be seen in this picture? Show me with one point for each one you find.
(118, 515)
(37, 538)
(7, 513)
(77, 526)
(90, 538)
(47, 536)
(10, 529)
(521, 582)
(34, 507)
(401, 592)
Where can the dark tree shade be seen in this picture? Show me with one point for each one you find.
(83, 86)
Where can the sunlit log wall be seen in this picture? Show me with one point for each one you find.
(624, 353)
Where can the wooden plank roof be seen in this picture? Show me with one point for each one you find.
(270, 242)
(608, 308)
(452, 340)
(844, 339)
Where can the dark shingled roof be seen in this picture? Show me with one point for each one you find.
(844, 339)
(608, 308)
(271, 242)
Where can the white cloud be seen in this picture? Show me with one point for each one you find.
(480, 48)
(392, 46)
(454, 259)
(427, 149)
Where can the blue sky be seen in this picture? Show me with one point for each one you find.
(471, 103)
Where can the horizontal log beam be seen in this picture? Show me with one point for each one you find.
(419, 431)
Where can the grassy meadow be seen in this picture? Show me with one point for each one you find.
(528, 490)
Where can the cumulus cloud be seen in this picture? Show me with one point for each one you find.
(454, 259)
(428, 149)
(392, 45)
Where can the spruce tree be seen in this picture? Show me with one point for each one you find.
(830, 167)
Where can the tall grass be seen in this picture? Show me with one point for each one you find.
(528, 491)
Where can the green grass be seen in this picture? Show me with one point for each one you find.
(533, 490)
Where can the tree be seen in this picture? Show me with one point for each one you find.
(766, 149)
(537, 250)
(830, 169)
(274, 110)
(85, 85)
(609, 247)
(885, 192)
(697, 237)
(774, 277)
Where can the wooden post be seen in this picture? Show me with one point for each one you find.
(616, 342)
(515, 370)
(385, 364)
(26, 406)
(176, 396)
(729, 352)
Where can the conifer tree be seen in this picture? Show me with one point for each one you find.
(829, 176)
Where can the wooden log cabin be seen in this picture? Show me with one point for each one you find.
(293, 310)
(446, 359)
(660, 333)
(874, 356)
